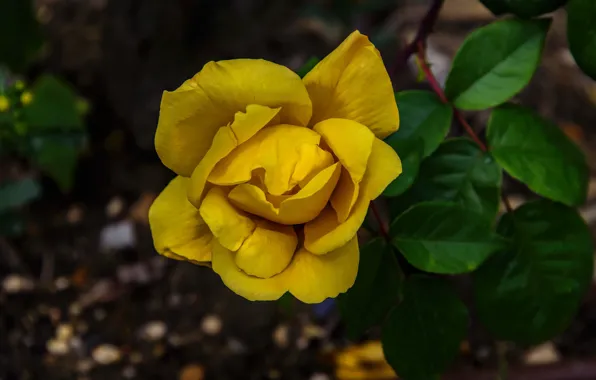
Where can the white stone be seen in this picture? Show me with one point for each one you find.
(280, 336)
(319, 376)
(57, 347)
(211, 325)
(61, 283)
(114, 207)
(64, 332)
(154, 330)
(14, 283)
(106, 354)
(117, 236)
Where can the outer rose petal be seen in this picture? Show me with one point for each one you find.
(325, 233)
(313, 278)
(352, 83)
(230, 226)
(191, 115)
(227, 138)
(268, 251)
(310, 278)
(178, 230)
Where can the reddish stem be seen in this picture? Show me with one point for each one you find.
(432, 80)
(377, 216)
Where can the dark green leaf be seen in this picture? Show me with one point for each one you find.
(20, 35)
(460, 172)
(538, 153)
(422, 335)
(17, 193)
(286, 303)
(422, 116)
(410, 153)
(54, 106)
(375, 291)
(58, 159)
(523, 8)
(444, 237)
(11, 223)
(308, 65)
(495, 62)
(581, 33)
(530, 292)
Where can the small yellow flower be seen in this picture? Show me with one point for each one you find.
(4, 103)
(19, 85)
(26, 98)
(275, 173)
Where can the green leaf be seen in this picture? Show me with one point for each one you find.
(20, 35)
(530, 292)
(54, 106)
(17, 193)
(495, 62)
(459, 171)
(57, 158)
(581, 34)
(422, 335)
(423, 116)
(444, 238)
(308, 65)
(375, 291)
(410, 153)
(11, 223)
(538, 153)
(523, 8)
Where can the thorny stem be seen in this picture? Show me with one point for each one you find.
(382, 226)
(434, 84)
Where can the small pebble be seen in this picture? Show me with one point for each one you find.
(174, 300)
(302, 343)
(57, 347)
(61, 283)
(129, 372)
(114, 207)
(106, 354)
(236, 347)
(99, 314)
(85, 365)
(154, 330)
(64, 332)
(135, 357)
(192, 372)
(14, 283)
(74, 215)
(545, 353)
(76, 344)
(281, 336)
(117, 236)
(319, 376)
(211, 325)
(75, 309)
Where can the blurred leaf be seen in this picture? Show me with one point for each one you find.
(529, 292)
(286, 303)
(523, 8)
(11, 223)
(54, 106)
(308, 65)
(18, 192)
(57, 158)
(375, 291)
(20, 35)
(444, 238)
(581, 34)
(538, 153)
(424, 116)
(410, 153)
(422, 335)
(495, 62)
(459, 171)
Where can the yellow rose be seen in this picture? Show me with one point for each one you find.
(275, 173)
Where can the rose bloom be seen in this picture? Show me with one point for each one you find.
(276, 173)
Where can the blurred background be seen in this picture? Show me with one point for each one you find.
(83, 294)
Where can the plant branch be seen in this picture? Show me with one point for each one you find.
(427, 24)
(377, 215)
